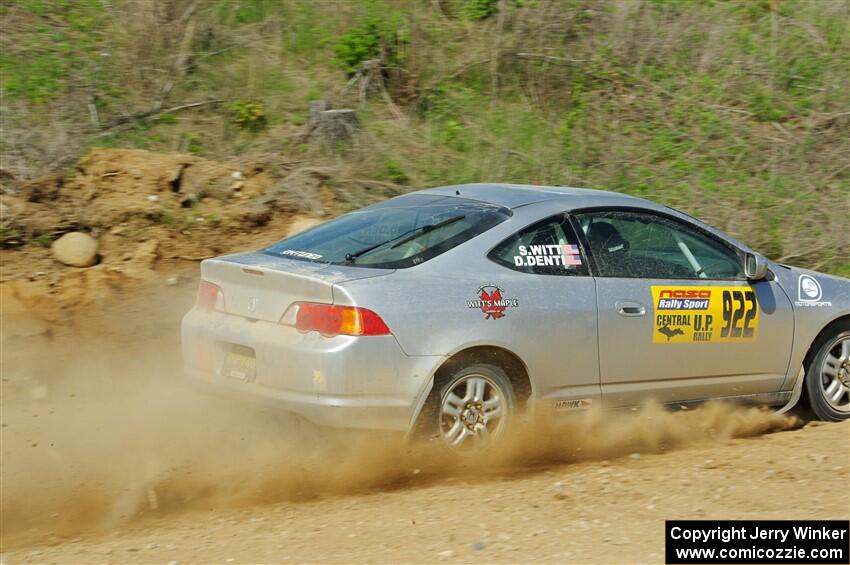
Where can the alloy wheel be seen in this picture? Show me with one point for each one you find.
(835, 374)
(472, 413)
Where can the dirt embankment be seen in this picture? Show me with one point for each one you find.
(153, 217)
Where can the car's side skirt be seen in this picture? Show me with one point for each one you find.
(764, 399)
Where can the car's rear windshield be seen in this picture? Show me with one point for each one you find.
(395, 234)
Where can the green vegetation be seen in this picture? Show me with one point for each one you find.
(480, 9)
(396, 174)
(380, 33)
(734, 111)
(249, 115)
(44, 240)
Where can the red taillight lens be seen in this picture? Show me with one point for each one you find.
(210, 296)
(331, 320)
(318, 317)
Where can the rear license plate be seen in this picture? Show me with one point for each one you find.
(241, 364)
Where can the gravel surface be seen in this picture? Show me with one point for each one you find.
(609, 511)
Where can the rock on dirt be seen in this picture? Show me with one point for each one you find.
(76, 249)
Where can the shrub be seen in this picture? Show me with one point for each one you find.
(480, 9)
(379, 35)
(248, 115)
(395, 173)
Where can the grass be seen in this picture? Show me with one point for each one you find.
(734, 111)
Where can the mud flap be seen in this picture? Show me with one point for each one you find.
(417, 410)
(796, 393)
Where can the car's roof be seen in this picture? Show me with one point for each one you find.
(516, 195)
(567, 198)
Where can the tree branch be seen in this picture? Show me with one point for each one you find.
(123, 120)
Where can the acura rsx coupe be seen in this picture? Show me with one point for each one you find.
(453, 311)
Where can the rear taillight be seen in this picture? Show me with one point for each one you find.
(210, 297)
(330, 320)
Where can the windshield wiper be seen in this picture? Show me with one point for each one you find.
(410, 235)
(427, 229)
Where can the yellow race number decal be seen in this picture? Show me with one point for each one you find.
(704, 314)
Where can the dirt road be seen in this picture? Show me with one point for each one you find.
(599, 511)
(108, 458)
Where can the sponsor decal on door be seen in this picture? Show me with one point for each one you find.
(704, 314)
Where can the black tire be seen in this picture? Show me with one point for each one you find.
(814, 383)
(432, 424)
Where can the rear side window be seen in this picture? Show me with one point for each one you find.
(395, 234)
(549, 247)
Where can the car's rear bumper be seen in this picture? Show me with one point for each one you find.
(345, 382)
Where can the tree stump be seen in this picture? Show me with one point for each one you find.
(316, 108)
(330, 127)
(370, 79)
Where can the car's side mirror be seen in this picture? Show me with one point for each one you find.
(755, 267)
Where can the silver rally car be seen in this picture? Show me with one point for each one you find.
(452, 311)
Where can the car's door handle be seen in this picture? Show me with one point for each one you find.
(629, 308)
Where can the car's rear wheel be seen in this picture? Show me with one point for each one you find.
(472, 410)
(828, 375)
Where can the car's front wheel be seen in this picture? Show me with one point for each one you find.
(828, 375)
(470, 411)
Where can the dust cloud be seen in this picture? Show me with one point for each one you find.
(99, 433)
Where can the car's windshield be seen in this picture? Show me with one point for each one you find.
(395, 234)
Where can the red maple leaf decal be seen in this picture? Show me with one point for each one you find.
(488, 304)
